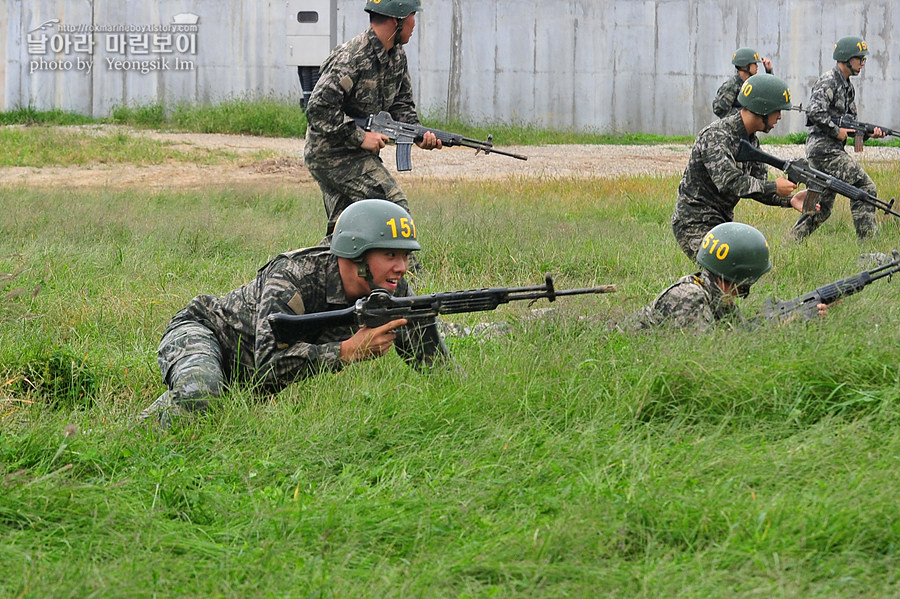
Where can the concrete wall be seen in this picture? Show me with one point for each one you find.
(605, 65)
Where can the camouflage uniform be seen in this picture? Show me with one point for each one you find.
(726, 101)
(215, 340)
(713, 183)
(359, 78)
(833, 96)
(693, 302)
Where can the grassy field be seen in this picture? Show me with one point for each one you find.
(562, 460)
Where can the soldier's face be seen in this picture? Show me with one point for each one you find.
(409, 23)
(388, 267)
(772, 119)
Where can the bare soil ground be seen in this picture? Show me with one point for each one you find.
(286, 164)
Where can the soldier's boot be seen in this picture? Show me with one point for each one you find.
(865, 225)
(162, 410)
(167, 408)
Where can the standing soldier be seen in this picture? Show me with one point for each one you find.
(364, 76)
(714, 181)
(746, 63)
(833, 96)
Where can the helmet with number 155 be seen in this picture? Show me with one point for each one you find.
(373, 224)
(849, 47)
(736, 252)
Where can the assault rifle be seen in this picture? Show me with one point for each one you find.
(404, 134)
(805, 305)
(860, 131)
(816, 181)
(380, 307)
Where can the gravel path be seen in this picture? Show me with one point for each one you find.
(448, 164)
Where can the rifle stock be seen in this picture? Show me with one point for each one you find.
(799, 171)
(806, 305)
(379, 308)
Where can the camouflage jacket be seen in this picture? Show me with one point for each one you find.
(693, 302)
(713, 182)
(726, 101)
(357, 79)
(832, 95)
(297, 282)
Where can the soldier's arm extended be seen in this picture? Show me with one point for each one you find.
(730, 179)
(278, 364)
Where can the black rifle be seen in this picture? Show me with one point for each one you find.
(816, 181)
(404, 134)
(805, 305)
(860, 131)
(380, 307)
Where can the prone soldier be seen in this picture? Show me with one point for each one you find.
(217, 340)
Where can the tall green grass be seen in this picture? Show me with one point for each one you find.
(561, 460)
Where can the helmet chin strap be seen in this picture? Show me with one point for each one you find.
(766, 126)
(397, 40)
(362, 269)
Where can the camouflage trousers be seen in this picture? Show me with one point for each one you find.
(362, 179)
(192, 364)
(689, 233)
(841, 165)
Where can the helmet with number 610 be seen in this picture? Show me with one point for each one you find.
(373, 224)
(763, 94)
(849, 47)
(736, 252)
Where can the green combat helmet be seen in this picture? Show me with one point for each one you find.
(736, 252)
(763, 94)
(398, 9)
(745, 56)
(373, 224)
(849, 47)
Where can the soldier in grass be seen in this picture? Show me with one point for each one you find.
(714, 182)
(217, 340)
(832, 96)
(746, 64)
(732, 257)
(364, 76)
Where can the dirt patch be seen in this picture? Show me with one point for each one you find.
(286, 166)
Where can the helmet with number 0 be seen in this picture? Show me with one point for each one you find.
(763, 94)
(373, 224)
(744, 56)
(736, 252)
(849, 47)
(399, 9)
